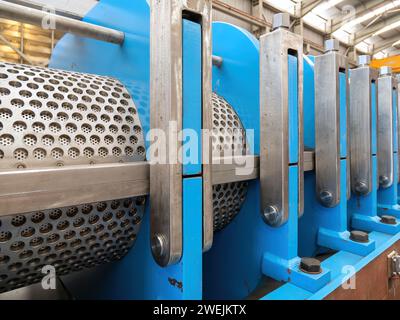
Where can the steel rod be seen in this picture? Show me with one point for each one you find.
(45, 19)
(46, 188)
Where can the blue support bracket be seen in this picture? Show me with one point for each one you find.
(341, 241)
(288, 270)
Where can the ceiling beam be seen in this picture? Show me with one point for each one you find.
(308, 5)
(384, 44)
(369, 31)
(360, 11)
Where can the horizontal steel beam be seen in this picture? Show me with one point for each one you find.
(39, 18)
(28, 190)
(384, 44)
(360, 11)
(368, 32)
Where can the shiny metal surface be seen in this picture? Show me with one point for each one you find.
(327, 126)
(69, 239)
(166, 106)
(42, 18)
(229, 138)
(360, 129)
(55, 118)
(66, 139)
(274, 122)
(385, 130)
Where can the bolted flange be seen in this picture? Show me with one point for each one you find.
(359, 236)
(310, 265)
(386, 219)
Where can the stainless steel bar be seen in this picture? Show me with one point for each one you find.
(328, 118)
(386, 131)
(27, 190)
(277, 150)
(166, 94)
(360, 126)
(37, 17)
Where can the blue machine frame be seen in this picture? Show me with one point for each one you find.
(247, 250)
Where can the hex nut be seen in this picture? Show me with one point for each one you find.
(310, 265)
(359, 236)
(386, 219)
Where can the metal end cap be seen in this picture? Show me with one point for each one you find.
(385, 70)
(364, 60)
(272, 216)
(310, 265)
(361, 188)
(326, 198)
(281, 20)
(331, 45)
(386, 219)
(359, 236)
(384, 181)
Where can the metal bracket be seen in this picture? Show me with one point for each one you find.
(360, 128)
(393, 266)
(328, 148)
(166, 46)
(281, 123)
(386, 138)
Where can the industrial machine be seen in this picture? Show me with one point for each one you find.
(163, 156)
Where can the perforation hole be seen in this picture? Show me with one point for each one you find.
(28, 115)
(88, 152)
(39, 154)
(20, 154)
(19, 126)
(5, 113)
(18, 220)
(57, 153)
(30, 140)
(55, 127)
(17, 103)
(38, 127)
(73, 153)
(48, 140)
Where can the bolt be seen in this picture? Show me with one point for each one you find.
(281, 20)
(359, 236)
(331, 45)
(385, 70)
(272, 216)
(326, 197)
(364, 60)
(158, 245)
(361, 188)
(310, 265)
(386, 219)
(384, 181)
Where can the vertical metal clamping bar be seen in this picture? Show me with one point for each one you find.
(281, 123)
(362, 109)
(331, 89)
(397, 78)
(167, 107)
(386, 130)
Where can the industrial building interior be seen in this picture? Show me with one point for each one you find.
(199, 149)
